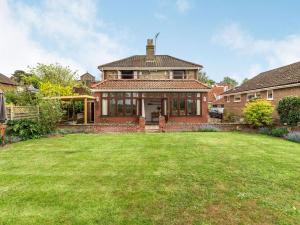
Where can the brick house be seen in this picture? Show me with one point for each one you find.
(272, 85)
(150, 88)
(215, 98)
(88, 79)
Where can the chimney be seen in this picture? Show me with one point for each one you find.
(150, 52)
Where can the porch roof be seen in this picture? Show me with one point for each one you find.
(150, 86)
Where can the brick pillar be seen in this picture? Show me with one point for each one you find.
(204, 107)
(142, 122)
(162, 123)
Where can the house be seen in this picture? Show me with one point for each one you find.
(148, 87)
(6, 84)
(215, 98)
(88, 79)
(272, 85)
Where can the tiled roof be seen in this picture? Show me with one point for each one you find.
(5, 80)
(160, 61)
(214, 92)
(164, 85)
(282, 76)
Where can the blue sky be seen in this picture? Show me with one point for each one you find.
(229, 38)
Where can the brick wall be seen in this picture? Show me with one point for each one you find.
(237, 107)
(102, 128)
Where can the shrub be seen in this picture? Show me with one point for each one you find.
(264, 130)
(229, 117)
(24, 129)
(258, 112)
(289, 110)
(278, 132)
(294, 136)
(208, 128)
(50, 114)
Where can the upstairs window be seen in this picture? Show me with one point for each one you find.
(179, 74)
(251, 96)
(237, 98)
(270, 95)
(127, 74)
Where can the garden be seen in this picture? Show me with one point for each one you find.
(160, 178)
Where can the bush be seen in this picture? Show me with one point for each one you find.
(24, 129)
(258, 112)
(208, 128)
(264, 130)
(229, 117)
(294, 136)
(289, 110)
(50, 114)
(278, 132)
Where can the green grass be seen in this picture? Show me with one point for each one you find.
(178, 178)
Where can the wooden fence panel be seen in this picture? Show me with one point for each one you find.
(22, 112)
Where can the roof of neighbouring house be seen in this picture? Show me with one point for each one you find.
(215, 91)
(160, 61)
(87, 74)
(6, 80)
(285, 75)
(142, 85)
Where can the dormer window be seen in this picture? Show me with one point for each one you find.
(127, 74)
(179, 74)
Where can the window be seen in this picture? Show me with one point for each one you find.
(251, 96)
(227, 98)
(257, 95)
(185, 104)
(270, 95)
(127, 74)
(237, 98)
(179, 74)
(119, 104)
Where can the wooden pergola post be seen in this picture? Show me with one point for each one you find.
(85, 111)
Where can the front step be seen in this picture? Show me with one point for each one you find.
(151, 128)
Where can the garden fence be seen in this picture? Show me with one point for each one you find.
(22, 112)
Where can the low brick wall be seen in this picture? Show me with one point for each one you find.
(176, 127)
(102, 128)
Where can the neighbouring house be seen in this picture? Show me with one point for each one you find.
(150, 87)
(88, 79)
(272, 85)
(6, 84)
(215, 98)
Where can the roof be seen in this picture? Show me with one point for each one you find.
(6, 80)
(160, 61)
(286, 75)
(87, 74)
(150, 85)
(214, 92)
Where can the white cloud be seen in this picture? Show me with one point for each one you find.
(276, 52)
(68, 32)
(183, 5)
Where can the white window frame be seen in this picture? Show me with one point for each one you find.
(272, 95)
(228, 98)
(249, 95)
(234, 100)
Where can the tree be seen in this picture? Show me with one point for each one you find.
(203, 77)
(55, 74)
(245, 80)
(24, 78)
(230, 81)
(259, 112)
(289, 110)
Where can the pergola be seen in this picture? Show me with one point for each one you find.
(83, 98)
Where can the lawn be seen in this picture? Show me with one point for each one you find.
(178, 178)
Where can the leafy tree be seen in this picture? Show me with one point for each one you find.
(289, 110)
(230, 81)
(259, 112)
(55, 74)
(49, 89)
(21, 98)
(245, 80)
(203, 77)
(24, 78)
